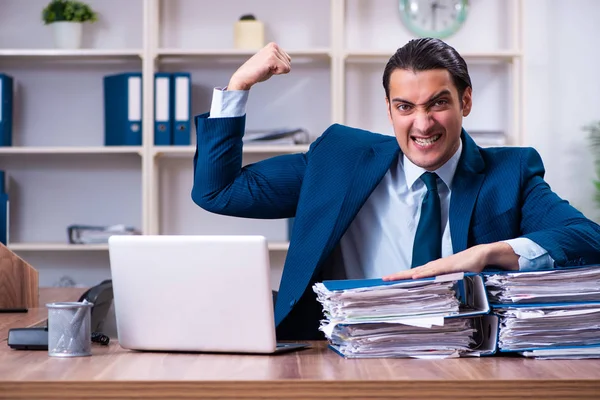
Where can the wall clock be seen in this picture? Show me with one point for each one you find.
(434, 18)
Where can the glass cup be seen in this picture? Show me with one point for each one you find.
(69, 329)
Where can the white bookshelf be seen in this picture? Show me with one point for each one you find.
(61, 173)
(54, 247)
(170, 52)
(248, 149)
(31, 150)
(77, 54)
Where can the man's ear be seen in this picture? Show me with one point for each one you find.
(467, 101)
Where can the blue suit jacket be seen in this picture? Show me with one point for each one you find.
(497, 194)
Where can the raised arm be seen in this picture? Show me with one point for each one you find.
(267, 189)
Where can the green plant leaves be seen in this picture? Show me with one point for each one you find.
(68, 10)
(594, 138)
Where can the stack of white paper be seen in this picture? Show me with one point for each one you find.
(372, 318)
(548, 314)
(557, 285)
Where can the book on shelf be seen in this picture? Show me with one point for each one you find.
(281, 136)
(172, 108)
(488, 138)
(123, 109)
(6, 110)
(95, 234)
(4, 209)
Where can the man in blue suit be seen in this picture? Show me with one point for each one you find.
(427, 202)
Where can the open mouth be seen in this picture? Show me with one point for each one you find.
(424, 142)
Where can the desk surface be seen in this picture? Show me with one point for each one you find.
(112, 372)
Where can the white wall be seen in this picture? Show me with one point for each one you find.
(561, 88)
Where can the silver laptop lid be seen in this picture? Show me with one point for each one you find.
(193, 293)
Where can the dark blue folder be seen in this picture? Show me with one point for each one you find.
(123, 109)
(6, 110)
(181, 90)
(163, 109)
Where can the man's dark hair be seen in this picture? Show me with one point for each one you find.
(426, 54)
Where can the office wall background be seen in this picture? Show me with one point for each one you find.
(561, 93)
(560, 82)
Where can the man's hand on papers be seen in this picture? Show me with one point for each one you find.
(268, 61)
(473, 259)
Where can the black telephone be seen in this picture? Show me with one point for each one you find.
(37, 338)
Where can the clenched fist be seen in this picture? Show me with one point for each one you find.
(270, 60)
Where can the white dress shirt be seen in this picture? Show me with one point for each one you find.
(380, 239)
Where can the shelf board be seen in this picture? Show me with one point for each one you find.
(367, 55)
(273, 246)
(76, 53)
(29, 150)
(248, 149)
(279, 246)
(56, 247)
(236, 53)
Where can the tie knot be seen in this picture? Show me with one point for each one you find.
(429, 178)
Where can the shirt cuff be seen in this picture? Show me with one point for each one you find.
(532, 257)
(228, 103)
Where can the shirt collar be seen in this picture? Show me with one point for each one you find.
(445, 172)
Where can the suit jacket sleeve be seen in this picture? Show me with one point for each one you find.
(266, 189)
(551, 222)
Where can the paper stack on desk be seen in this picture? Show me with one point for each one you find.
(548, 314)
(434, 317)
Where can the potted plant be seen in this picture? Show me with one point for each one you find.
(67, 18)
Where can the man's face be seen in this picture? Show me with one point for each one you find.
(427, 114)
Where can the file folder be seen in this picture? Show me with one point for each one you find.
(550, 313)
(123, 109)
(162, 109)
(6, 110)
(469, 288)
(181, 88)
(4, 208)
(485, 337)
(443, 316)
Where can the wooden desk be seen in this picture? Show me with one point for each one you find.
(318, 373)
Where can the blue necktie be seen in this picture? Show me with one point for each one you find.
(428, 238)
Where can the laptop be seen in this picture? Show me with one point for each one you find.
(194, 294)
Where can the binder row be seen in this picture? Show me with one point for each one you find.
(123, 109)
(123, 96)
(541, 314)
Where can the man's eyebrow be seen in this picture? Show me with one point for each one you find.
(433, 98)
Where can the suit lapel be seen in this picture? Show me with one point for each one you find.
(466, 184)
(367, 170)
(370, 168)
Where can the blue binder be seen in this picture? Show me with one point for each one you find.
(123, 109)
(4, 218)
(469, 288)
(163, 104)
(3, 208)
(181, 88)
(470, 291)
(546, 301)
(6, 109)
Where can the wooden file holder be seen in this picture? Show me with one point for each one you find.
(18, 282)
